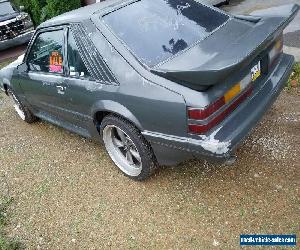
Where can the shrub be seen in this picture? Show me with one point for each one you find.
(294, 80)
(56, 7)
(41, 10)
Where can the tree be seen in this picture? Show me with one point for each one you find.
(56, 7)
(42, 10)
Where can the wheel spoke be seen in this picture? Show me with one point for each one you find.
(19, 111)
(122, 150)
(118, 143)
(121, 135)
(130, 143)
(129, 157)
(136, 155)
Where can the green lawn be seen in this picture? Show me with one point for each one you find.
(5, 242)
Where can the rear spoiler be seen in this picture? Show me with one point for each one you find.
(267, 25)
(288, 12)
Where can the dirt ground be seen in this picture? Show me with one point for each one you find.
(68, 194)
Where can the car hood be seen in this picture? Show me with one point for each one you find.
(8, 16)
(232, 47)
(7, 72)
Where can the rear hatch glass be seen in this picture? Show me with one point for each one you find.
(157, 30)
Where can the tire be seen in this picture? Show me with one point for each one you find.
(24, 113)
(122, 139)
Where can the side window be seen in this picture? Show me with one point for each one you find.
(46, 54)
(76, 65)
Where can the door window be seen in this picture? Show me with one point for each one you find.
(76, 65)
(46, 54)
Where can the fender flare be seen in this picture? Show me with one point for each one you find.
(115, 108)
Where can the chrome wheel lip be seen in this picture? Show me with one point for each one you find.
(122, 151)
(18, 107)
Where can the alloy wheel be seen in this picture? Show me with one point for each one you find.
(18, 107)
(122, 150)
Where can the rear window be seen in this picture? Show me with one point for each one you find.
(157, 30)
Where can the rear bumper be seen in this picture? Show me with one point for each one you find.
(18, 40)
(221, 143)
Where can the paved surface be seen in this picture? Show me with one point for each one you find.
(292, 32)
(12, 52)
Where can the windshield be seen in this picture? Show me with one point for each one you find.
(157, 30)
(6, 8)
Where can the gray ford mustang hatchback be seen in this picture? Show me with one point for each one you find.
(158, 82)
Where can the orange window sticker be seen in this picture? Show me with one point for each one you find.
(56, 62)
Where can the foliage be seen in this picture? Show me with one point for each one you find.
(294, 80)
(42, 10)
(5, 242)
(56, 7)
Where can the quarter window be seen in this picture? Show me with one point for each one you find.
(46, 54)
(76, 65)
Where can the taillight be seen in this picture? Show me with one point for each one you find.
(202, 114)
(235, 96)
(276, 50)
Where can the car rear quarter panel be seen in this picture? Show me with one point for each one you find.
(145, 102)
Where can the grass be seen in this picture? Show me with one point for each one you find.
(5, 242)
(42, 189)
(294, 81)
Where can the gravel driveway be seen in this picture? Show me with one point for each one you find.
(68, 194)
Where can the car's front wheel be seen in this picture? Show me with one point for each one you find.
(23, 112)
(128, 148)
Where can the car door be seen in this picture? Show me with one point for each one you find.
(80, 87)
(43, 83)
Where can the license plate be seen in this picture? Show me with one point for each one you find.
(256, 72)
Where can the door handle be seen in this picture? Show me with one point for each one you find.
(61, 89)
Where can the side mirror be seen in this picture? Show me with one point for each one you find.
(23, 68)
(22, 8)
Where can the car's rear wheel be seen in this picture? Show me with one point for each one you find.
(127, 148)
(23, 112)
